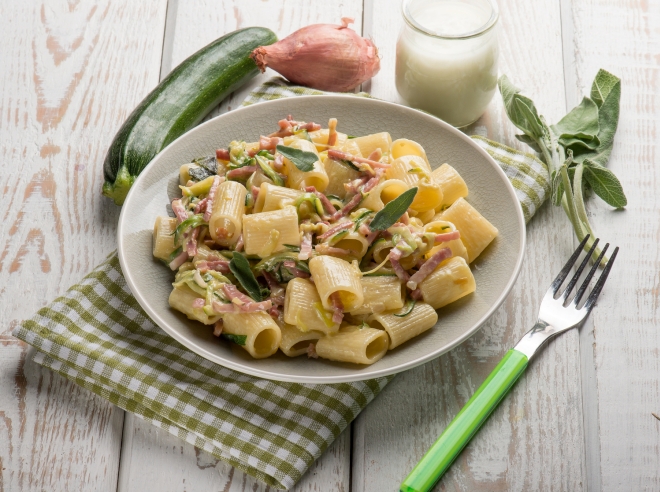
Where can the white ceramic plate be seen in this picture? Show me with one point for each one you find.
(490, 192)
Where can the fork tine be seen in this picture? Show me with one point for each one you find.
(576, 277)
(589, 276)
(567, 267)
(593, 297)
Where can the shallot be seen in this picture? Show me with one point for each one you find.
(323, 56)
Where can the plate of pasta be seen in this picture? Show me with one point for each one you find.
(321, 239)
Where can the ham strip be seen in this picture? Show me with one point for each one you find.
(276, 290)
(191, 242)
(375, 155)
(211, 196)
(295, 271)
(222, 154)
(337, 308)
(330, 250)
(354, 186)
(198, 303)
(251, 307)
(239, 243)
(448, 236)
(217, 328)
(179, 211)
(348, 208)
(221, 266)
(201, 206)
(241, 172)
(305, 247)
(428, 267)
(180, 259)
(395, 256)
(329, 207)
(332, 132)
(345, 156)
(333, 230)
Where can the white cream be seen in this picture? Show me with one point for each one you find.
(453, 78)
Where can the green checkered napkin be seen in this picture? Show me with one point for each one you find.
(97, 335)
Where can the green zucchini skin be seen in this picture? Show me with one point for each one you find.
(178, 103)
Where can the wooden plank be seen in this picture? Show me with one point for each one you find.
(159, 461)
(534, 440)
(71, 73)
(622, 37)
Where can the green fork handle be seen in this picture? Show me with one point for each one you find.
(455, 437)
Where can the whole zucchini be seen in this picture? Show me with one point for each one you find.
(178, 103)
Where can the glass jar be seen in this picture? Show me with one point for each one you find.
(446, 57)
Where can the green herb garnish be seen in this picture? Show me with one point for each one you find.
(407, 308)
(302, 159)
(240, 267)
(576, 149)
(393, 211)
(189, 223)
(198, 174)
(237, 339)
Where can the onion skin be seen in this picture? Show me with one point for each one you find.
(327, 57)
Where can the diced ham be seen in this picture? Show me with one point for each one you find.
(332, 132)
(239, 243)
(395, 256)
(221, 266)
(179, 260)
(327, 206)
(269, 143)
(179, 211)
(278, 163)
(217, 328)
(337, 308)
(211, 196)
(241, 172)
(428, 267)
(305, 247)
(335, 229)
(222, 154)
(295, 271)
(447, 236)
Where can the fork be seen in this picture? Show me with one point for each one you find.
(556, 315)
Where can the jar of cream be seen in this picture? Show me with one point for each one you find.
(446, 57)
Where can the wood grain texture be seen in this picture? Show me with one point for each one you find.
(534, 440)
(159, 461)
(71, 73)
(622, 37)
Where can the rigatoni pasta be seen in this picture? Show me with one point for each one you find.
(309, 241)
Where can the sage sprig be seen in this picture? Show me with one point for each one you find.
(575, 149)
(240, 267)
(393, 211)
(302, 159)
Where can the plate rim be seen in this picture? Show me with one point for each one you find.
(358, 376)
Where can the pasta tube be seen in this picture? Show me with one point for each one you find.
(303, 308)
(266, 233)
(182, 298)
(298, 179)
(335, 276)
(383, 193)
(227, 213)
(456, 245)
(404, 147)
(380, 294)
(295, 342)
(476, 231)
(164, 237)
(412, 170)
(272, 197)
(369, 143)
(452, 185)
(262, 335)
(402, 328)
(338, 175)
(448, 283)
(359, 345)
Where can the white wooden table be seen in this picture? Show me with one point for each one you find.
(580, 419)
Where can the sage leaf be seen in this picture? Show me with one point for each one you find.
(603, 84)
(240, 267)
(237, 339)
(605, 184)
(580, 122)
(302, 159)
(521, 110)
(529, 141)
(393, 211)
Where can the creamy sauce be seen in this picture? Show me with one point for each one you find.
(452, 78)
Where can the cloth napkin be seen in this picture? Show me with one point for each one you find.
(97, 335)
